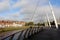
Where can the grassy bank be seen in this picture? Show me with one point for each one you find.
(6, 29)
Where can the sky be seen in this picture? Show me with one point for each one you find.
(27, 10)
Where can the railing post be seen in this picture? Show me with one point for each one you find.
(20, 35)
(29, 34)
(11, 38)
(26, 33)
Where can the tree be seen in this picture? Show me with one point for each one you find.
(38, 24)
(29, 24)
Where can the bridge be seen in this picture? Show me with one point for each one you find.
(37, 33)
(21, 35)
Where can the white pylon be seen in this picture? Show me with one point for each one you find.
(48, 19)
(53, 15)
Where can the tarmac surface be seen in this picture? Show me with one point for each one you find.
(46, 34)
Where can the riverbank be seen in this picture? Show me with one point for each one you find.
(6, 29)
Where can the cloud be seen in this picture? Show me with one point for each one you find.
(29, 9)
(4, 4)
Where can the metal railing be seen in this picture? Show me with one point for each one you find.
(24, 33)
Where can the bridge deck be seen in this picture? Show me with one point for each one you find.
(46, 34)
(36, 33)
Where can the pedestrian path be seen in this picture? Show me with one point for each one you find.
(46, 34)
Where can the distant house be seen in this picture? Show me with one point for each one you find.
(9, 23)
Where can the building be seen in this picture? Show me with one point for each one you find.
(8, 23)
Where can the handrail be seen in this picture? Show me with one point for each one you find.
(25, 33)
(10, 35)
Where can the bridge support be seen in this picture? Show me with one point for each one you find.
(53, 15)
(48, 19)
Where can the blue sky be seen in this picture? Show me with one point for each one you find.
(21, 9)
(55, 2)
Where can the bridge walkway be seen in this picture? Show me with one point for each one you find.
(46, 34)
